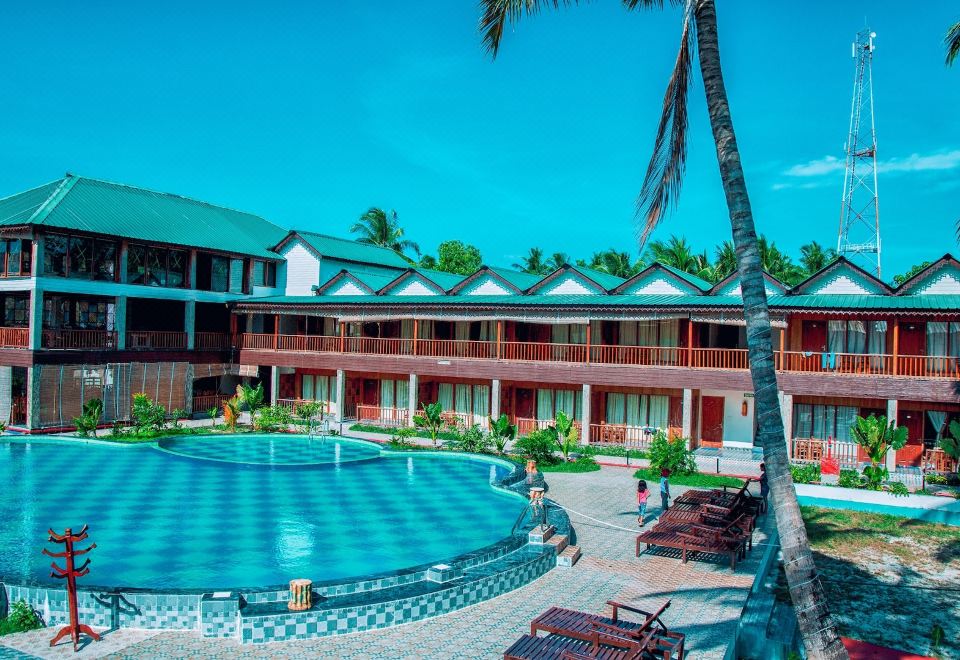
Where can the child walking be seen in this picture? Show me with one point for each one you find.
(642, 494)
(664, 490)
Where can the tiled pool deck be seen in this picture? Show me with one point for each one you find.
(707, 597)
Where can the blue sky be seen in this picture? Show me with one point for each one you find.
(308, 113)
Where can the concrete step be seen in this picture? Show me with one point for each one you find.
(569, 556)
(537, 536)
(558, 541)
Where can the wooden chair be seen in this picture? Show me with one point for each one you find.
(692, 539)
(582, 625)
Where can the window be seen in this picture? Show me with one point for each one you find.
(55, 255)
(156, 266)
(823, 421)
(943, 338)
(270, 274)
(15, 257)
(638, 410)
(176, 268)
(80, 257)
(136, 264)
(857, 337)
(105, 261)
(16, 312)
(219, 274)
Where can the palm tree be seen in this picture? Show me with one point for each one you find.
(377, 227)
(952, 42)
(616, 263)
(660, 188)
(676, 253)
(556, 260)
(813, 257)
(725, 261)
(533, 263)
(777, 263)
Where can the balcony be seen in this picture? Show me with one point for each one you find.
(14, 337)
(735, 359)
(152, 340)
(526, 426)
(79, 339)
(382, 416)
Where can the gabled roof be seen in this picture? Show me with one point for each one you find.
(369, 282)
(437, 280)
(345, 249)
(512, 281)
(687, 283)
(114, 209)
(591, 279)
(938, 269)
(725, 285)
(842, 268)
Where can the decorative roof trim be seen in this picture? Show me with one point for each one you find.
(559, 272)
(484, 270)
(406, 274)
(694, 290)
(833, 265)
(344, 274)
(945, 260)
(780, 286)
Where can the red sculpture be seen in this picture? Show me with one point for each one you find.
(71, 573)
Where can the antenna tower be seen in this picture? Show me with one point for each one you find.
(859, 238)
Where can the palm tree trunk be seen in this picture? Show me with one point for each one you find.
(816, 627)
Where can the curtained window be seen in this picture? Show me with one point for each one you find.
(406, 328)
(628, 333)
(823, 421)
(647, 333)
(669, 333)
(837, 336)
(938, 420)
(564, 402)
(545, 404)
(659, 411)
(856, 337)
(386, 394)
(462, 399)
(461, 330)
(615, 408)
(481, 403)
(445, 396)
(402, 398)
(306, 388)
(937, 338)
(578, 334)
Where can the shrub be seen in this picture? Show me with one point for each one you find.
(472, 440)
(877, 437)
(21, 618)
(271, 418)
(805, 474)
(431, 419)
(213, 413)
(502, 432)
(672, 455)
(88, 420)
(582, 464)
(147, 414)
(250, 398)
(401, 437)
(564, 434)
(937, 479)
(849, 479)
(537, 446)
(898, 489)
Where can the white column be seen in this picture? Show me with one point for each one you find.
(892, 408)
(190, 322)
(686, 411)
(412, 398)
(36, 319)
(495, 398)
(120, 321)
(585, 401)
(274, 385)
(341, 394)
(33, 397)
(6, 393)
(786, 412)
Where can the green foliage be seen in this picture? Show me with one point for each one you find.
(537, 446)
(533, 263)
(272, 418)
(697, 480)
(401, 438)
(849, 479)
(900, 279)
(377, 227)
(936, 479)
(250, 398)
(147, 415)
(877, 438)
(582, 464)
(231, 413)
(502, 432)
(611, 450)
(460, 258)
(20, 619)
(213, 413)
(564, 434)
(431, 419)
(472, 440)
(309, 409)
(672, 455)
(88, 420)
(951, 444)
(898, 489)
(805, 474)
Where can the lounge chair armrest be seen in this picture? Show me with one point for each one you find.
(621, 606)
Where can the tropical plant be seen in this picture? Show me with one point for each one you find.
(309, 409)
(877, 438)
(814, 257)
(724, 261)
(805, 474)
(472, 440)
(213, 413)
(777, 263)
(537, 446)
(428, 261)
(614, 262)
(176, 415)
(271, 418)
(377, 227)
(89, 418)
(147, 414)
(658, 193)
(458, 257)
(951, 444)
(20, 618)
(952, 42)
(231, 413)
(557, 260)
(400, 438)
(671, 454)
(565, 434)
(677, 253)
(533, 263)
(849, 479)
(900, 279)
(430, 418)
(502, 432)
(250, 398)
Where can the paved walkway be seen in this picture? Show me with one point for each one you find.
(707, 597)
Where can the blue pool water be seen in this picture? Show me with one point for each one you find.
(272, 449)
(166, 521)
(949, 515)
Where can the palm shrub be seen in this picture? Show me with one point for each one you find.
(89, 418)
(231, 413)
(472, 440)
(564, 434)
(430, 418)
(502, 432)
(951, 444)
(877, 437)
(147, 415)
(271, 418)
(251, 398)
(537, 446)
(21, 618)
(672, 455)
(213, 413)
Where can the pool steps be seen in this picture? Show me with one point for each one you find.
(567, 555)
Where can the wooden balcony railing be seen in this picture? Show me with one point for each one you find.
(720, 358)
(14, 337)
(936, 460)
(835, 363)
(813, 450)
(79, 339)
(204, 402)
(461, 420)
(655, 356)
(621, 434)
(211, 341)
(526, 426)
(156, 340)
(537, 352)
(381, 416)
(484, 350)
(922, 366)
(377, 346)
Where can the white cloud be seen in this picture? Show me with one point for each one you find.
(919, 163)
(818, 167)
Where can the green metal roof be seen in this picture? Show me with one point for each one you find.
(927, 302)
(703, 285)
(443, 279)
(517, 278)
(350, 250)
(114, 209)
(605, 280)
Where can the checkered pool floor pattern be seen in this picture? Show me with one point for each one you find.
(169, 522)
(272, 449)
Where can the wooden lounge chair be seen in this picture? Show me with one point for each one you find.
(693, 539)
(741, 527)
(608, 646)
(652, 634)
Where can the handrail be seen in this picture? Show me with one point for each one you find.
(154, 339)
(78, 339)
(11, 337)
(216, 341)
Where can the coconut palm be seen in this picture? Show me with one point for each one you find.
(952, 42)
(557, 259)
(725, 261)
(813, 257)
(377, 227)
(616, 263)
(533, 263)
(778, 263)
(659, 191)
(676, 253)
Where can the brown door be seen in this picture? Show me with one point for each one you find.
(712, 424)
(913, 338)
(912, 452)
(814, 337)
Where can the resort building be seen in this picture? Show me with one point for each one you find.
(110, 290)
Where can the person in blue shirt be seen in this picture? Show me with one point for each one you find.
(664, 489)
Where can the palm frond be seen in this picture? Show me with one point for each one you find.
(495, 14)
(952, 42)
(664, 176)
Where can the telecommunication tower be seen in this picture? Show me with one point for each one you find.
(859, 238)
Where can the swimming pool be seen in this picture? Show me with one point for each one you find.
(948, 514)
(240, 512)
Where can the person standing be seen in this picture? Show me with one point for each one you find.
(764, 485)
(643, 493)
(664, 489)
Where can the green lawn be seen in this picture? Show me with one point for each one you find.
(580, 465)
(695, 480)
